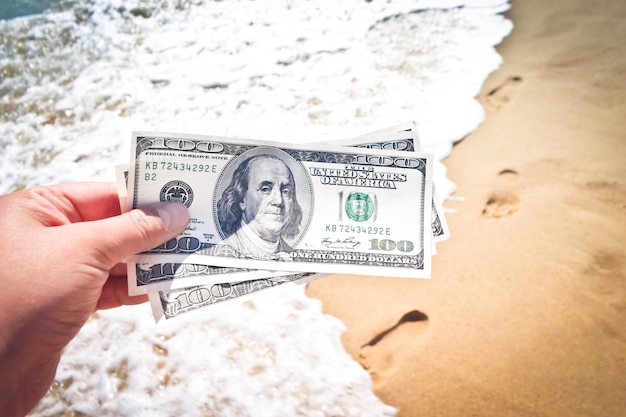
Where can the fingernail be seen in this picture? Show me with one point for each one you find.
(175, 216)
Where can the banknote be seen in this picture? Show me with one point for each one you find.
(150, 277)
(168, 304)
(275, 206)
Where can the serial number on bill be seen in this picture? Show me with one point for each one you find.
(181, 166)
(367, 230)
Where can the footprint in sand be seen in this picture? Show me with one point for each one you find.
(603, 297)
(501, 96)
(504, 200)
(377, 355)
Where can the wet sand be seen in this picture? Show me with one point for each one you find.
(525, 314)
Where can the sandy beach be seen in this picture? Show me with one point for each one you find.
(525, 314)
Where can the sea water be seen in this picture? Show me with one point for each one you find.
(10, 9)
(76, 79)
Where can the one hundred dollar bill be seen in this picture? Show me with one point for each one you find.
(275, 206)
(169, 304)
(150, 277)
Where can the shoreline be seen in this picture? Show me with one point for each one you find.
(524, 314)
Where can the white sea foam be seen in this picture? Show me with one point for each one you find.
(276, 355)
(75, 83)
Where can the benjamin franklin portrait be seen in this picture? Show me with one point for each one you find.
(258, 211)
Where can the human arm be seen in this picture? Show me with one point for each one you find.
(61, 248)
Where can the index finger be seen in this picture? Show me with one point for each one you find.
(88, 200)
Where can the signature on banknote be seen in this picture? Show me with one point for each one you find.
(347, 243)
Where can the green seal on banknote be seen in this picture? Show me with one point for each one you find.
(359, 206)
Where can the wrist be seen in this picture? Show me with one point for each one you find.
(28, 369)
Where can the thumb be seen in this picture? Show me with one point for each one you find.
(138, 230)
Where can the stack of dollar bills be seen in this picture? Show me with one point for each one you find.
(264, 214)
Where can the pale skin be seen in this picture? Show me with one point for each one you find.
(61, 250)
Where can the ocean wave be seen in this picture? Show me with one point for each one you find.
(75, 81)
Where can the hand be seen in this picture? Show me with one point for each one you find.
(61, 249)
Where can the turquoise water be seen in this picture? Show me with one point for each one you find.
(10, 9)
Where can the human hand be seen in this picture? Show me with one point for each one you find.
(61, 249)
